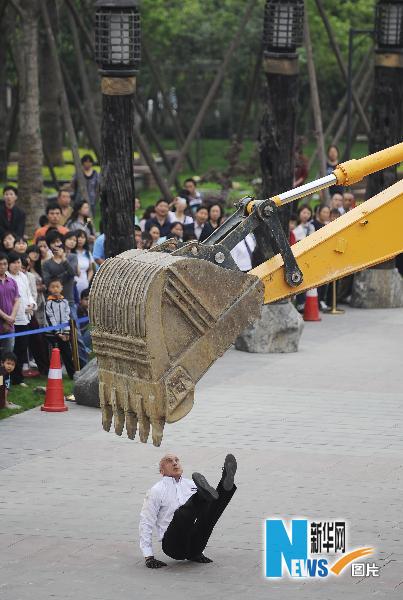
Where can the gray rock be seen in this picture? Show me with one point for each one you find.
(377, 288)
(278, 330)
(86, 390)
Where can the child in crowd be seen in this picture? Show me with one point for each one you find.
(20, 245)
(57, 312)
(82, 311)
(292, 223)
(8, 362)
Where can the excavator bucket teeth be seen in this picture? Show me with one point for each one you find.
(159, 322)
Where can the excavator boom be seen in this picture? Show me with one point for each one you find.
(368, 235)
(161, 318)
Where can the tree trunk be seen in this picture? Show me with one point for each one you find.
(177, 128)
(51, 121)
(68, 122)
(256, 75)
(211, 94)
(30, 155)
(85, 88)
(3, 97)
(150, 162)
(91, 68)
(117, 183)
(12, 123)
(317, 113)
(362, 90)
(341, 109)
(341, 64)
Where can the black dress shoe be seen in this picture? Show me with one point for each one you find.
(201, 559)
(204, 488)
(229, 470)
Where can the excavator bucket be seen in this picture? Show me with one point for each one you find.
(159, 321)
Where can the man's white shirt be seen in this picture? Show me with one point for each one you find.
(242, 252)
(159, 505)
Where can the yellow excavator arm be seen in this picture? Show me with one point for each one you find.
(369, 234)
(161, 318)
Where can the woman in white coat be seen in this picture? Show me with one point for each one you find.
(23, 317)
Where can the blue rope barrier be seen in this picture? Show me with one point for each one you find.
(42, 329)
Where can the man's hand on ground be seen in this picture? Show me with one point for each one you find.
(153, 563)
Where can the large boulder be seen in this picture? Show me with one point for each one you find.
(86, 385)
(278, 330)
(377, 288)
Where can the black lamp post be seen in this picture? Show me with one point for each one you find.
(379, 287)
(282, 35)
(387, 103)
(117, 53)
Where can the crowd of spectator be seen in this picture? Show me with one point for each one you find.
(185, 218)
(45, 275)
(306, 221)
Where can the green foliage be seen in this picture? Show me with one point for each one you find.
(189, 39)
(343, 15)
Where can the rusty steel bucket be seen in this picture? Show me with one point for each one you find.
(159, 321)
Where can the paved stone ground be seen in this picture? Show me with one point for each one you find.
(317, 434)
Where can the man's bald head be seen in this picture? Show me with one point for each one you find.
(170, 466)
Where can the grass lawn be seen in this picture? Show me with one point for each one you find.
(27, 398)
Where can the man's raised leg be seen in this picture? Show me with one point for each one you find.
(211, 512)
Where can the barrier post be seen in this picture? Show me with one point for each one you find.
(334, 310)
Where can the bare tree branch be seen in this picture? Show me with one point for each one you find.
(17, 8)
(82, 27)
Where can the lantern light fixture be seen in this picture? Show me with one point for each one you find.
(117, 37)
(283, 26)
(389, 25)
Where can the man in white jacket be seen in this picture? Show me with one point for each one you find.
(184, 512)
(25, 311)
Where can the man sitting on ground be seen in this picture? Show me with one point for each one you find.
(183, 511)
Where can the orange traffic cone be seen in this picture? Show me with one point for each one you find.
(54, 399)
(311, 310)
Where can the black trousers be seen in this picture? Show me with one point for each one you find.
(38, 346)
(20, 350)
(192, 524)
(65, 353)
